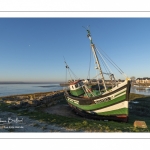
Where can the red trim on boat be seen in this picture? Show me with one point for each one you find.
(121, 116)
(74, 82)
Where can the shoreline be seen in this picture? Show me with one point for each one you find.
(32, 93)
(21, 89)
(53, 114)
(55, 91)
(20, 82)
(33, 100)
(29, 124)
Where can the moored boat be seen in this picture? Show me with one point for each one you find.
(147, 88)
(99, 102)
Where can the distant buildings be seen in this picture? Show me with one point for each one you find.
(143, 80)
(96, 81)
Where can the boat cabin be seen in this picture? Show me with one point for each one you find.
(76, 88)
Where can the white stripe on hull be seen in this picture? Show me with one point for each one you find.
(123, 104)
(104, 99)
(114, 95)
(116, 87)
(117, 93)
(110, 97)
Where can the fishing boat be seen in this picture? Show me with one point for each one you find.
(101, 102)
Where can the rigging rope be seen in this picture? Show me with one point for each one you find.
(109, 70)
(73, 74)
(113, 63)
(70, 71)
(68, 68)
(104, 64)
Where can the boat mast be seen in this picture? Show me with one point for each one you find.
(96, 58)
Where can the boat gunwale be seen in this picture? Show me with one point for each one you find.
(100, 96)
(96, 104)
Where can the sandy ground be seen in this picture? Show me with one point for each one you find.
(25, 124)
(61, 109)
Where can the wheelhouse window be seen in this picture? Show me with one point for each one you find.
(76, 85)
(80, 83)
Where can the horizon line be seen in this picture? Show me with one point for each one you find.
(7, 82)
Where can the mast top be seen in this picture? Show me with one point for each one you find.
(89, 36)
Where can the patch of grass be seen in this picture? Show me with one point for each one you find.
(87, 125)
(44, 128)
(36, 125)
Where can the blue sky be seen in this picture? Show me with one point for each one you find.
(32, 49)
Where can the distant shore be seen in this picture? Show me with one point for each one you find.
(13, 82)
(17, 88)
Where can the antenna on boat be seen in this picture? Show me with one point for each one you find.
(69, 70)
(88, 27)
(65, 63)
(84, 27)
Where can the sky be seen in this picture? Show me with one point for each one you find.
(33, 49)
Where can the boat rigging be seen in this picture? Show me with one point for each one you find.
(86, 100)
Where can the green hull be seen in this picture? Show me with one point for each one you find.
(99, 105)
(113, 104)
(77, 92)
(95, 107)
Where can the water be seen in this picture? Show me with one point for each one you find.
(142, 92)
(17, 89)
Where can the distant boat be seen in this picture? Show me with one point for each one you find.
(140, 88)
(147, 88)
(136, 85)
(105, 104)
(64, 84)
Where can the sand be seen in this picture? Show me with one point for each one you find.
(26, 124)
